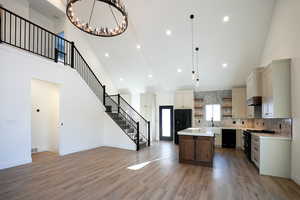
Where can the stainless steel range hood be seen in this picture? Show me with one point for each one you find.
(254, 101)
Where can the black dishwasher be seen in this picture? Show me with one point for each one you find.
(228, 138)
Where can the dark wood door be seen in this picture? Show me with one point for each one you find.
(187, 148)
(204, 149)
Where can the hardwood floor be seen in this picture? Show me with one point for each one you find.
(103, 173)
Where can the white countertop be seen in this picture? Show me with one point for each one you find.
(197, 132)
(272, 136)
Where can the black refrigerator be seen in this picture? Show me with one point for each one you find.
(183, 120)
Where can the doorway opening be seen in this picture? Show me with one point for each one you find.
(166, 130)
(44, 119)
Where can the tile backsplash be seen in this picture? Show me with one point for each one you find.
(280, 126)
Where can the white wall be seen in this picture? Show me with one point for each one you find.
(82, 44)
(148, 111)
(40, 19)
(114, 136)
(163, 99)
(17, 6)
(44, 116)
(80, 111)
(284, 42)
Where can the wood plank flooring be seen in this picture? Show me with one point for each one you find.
(103, 173)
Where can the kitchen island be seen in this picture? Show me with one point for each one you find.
(196, 146)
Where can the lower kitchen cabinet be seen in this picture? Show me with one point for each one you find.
(187, 147)
(271, 155)
(203, 150)
(198, 150)
(218, 140)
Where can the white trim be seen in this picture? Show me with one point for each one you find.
(14, 164)
(296, 179)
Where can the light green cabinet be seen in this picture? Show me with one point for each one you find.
(276, 90)
(239, 103)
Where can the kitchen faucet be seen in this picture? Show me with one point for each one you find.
(212, 122)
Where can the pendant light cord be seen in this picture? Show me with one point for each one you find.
(192, 29)
(197, 59)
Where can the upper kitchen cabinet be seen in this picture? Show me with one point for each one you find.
(254, 90)
(276, 89)
(184, 99)
(239, 103)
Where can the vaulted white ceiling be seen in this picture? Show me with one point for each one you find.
(239, 43)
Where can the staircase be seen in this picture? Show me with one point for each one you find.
(26, 35)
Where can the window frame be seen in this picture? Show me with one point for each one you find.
(214, 112)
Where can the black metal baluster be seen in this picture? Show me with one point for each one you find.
(41, 50)
(72, 54)
(10, 28)
(1, 18)
(20, 39)
(25, 34)
(29, 42)
(104, 100)
(149, 135)
(15, 30)
(48, 53)
(138, 136)
(51, 46)
(33, 38)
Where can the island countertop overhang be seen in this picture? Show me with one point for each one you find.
(197, 132)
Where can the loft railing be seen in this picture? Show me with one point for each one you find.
(21, 33)
(26, 35)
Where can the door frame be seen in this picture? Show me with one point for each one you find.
(172, 123)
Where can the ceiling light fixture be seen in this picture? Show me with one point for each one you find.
(224, 65)
(91, 27)
(226, 19)
(106, 55)
(168, 32)
(179, 70)
(150, 76)
(121, 79)
(138, 46)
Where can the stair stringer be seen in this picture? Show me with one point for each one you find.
(114, 136)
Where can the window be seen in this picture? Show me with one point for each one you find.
(213, 111)
(60, 45)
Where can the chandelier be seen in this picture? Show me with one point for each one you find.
(88, 27)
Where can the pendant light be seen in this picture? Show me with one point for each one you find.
(192, 31)
(197, 65)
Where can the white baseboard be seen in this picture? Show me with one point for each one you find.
(14, 164)
(296, 179)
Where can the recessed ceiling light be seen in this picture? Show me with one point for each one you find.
(138, 46)
(179, 70)
(106, 55)
(121, 79)
(150, 76)
(226, 19)
(168, 32)
(224, 65)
